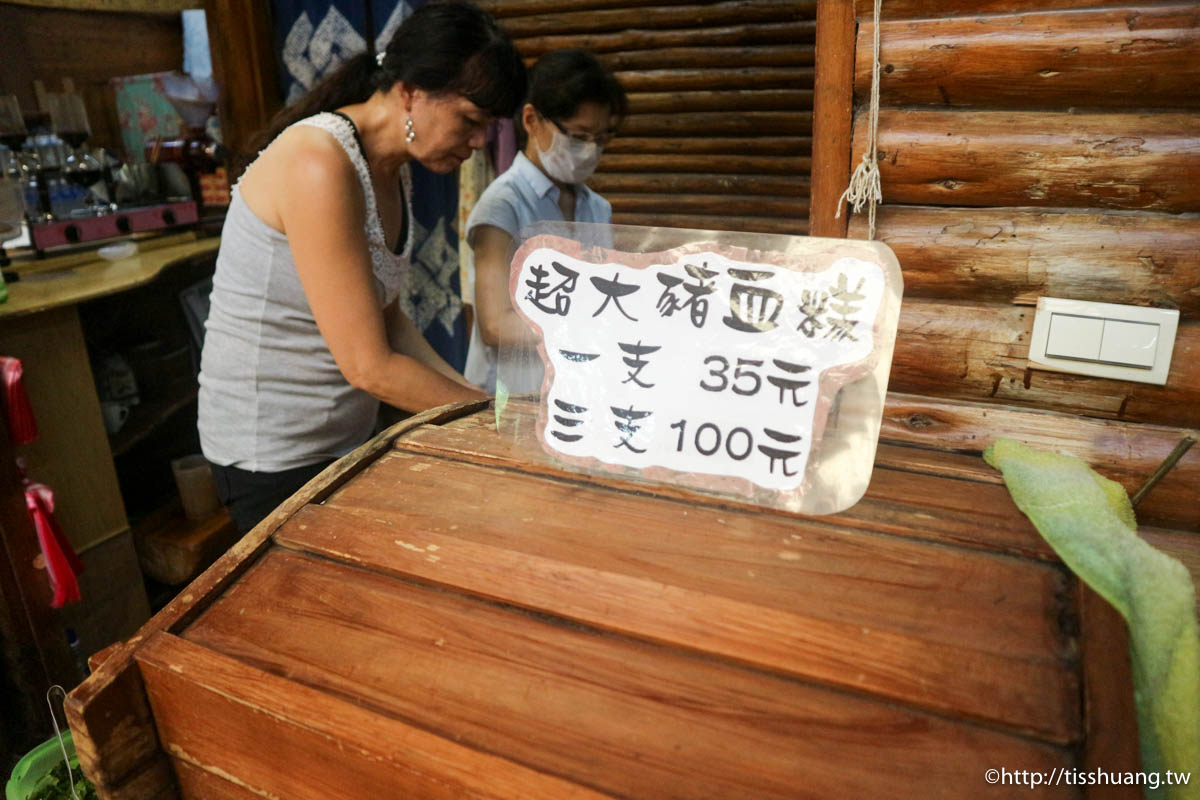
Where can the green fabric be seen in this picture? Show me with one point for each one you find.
(1089, 522)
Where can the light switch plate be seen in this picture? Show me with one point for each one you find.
(1128, 343)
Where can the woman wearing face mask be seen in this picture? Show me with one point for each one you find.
(573, 107)
(304, 336)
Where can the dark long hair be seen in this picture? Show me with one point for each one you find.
(562, 80)
(445, 46)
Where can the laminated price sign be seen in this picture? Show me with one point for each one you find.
(707, 365)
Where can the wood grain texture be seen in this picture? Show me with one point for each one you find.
(736, 78)
(719, 56)
(703, 162)
(980, 352)
(792, 32)
(108, 712)
(700, 183)
(1003, 158)
(920, 9)
(794, 226)
(1132, 57)
(1108, 694)
(1125, 452)
(223, 721)
(726, 101)
(1014, 255)
(720, 123)
(824, 595)
(717, 204)
(623, 717)
(728, 12)
(244, 64)
(916, 493)
(833, 114)
(717, 145)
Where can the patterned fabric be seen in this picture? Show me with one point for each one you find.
(314, 38)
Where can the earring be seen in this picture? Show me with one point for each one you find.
(409, 133)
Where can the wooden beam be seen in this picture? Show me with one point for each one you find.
(793, 32)
(728, 12)
(243, 56)
(920, 9)
(762, 55)
(794, 226)
(700, 183)
(1015, 255)
(715, 145)
(720, 123)
(726, 101)
(727, 164)
(833, 112)
(1021, 158)
(736, 78)
(1115, 57)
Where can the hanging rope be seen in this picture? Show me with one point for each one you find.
(864, 183)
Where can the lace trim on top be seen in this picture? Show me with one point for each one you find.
(388, 267)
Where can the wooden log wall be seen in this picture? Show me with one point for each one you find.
(719, 134)
(1025, 149)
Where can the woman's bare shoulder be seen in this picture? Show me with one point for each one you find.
(303, 162)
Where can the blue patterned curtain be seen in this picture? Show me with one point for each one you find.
(314, 37)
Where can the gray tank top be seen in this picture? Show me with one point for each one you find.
(271, 395)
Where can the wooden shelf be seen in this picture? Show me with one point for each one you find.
(173, 549)
(146, 417)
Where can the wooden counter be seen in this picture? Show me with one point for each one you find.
(445, 614)
(41, 324)
(69, 279)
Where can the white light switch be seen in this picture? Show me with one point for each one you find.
(1129, 343)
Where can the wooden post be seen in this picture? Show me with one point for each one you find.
(833, 112)
(243, 56)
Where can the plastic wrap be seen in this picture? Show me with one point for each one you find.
(750, 366)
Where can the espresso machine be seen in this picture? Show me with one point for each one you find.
(75, 194)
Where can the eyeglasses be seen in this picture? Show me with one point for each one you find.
(582, 138)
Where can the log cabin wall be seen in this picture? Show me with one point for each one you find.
(719, 130)
(1027, 149)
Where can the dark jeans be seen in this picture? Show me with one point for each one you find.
(251, 496)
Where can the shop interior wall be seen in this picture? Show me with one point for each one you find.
(1036, 149)
(89, 47)
(719, 134)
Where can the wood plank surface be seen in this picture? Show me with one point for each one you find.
(237, 732)
(1014, 255)
(920, 9)
(735, 100)
(717, 145)
(734, 164)
(109, 714)
(796, 226)
(720, 123)
(729, 12)
(822, 593)
(715, 204)
(625, 718)
(735, 78)
(1125, 452)
(1132, 57)
(719, 56)
(980, 352)
(791, 32)
(914, 492)
(833, 113)
(700, 183)
(1026, 158)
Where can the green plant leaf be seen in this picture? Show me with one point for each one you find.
(1089, 522)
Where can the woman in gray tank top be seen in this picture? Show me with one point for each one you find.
(304, 336)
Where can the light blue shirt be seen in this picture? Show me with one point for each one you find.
(521, 196)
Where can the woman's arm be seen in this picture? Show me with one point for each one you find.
(405, 338)
(321, 209)
(498, 320)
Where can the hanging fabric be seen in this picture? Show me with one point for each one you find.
(317, 36)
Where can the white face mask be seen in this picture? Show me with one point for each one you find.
(569, 161)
